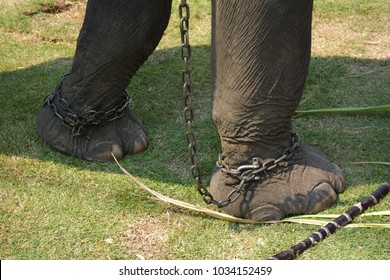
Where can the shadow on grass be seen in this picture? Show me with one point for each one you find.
(156, 91)
(157, 99)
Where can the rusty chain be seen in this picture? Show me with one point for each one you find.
(244, 173)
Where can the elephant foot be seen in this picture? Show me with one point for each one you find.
(305, 182)
(124, 135)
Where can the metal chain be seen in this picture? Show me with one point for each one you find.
(251, 172)
(186, 51)
(254, 172)
(79, 122)
(245, 173)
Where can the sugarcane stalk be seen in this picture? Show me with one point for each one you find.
(332, 226)
(369, 109)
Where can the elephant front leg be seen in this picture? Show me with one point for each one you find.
(88, 115)
(261, 53)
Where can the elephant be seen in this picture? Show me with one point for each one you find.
(260, 58)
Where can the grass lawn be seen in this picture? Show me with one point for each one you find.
(54, 206)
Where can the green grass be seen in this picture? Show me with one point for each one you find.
(56, 207)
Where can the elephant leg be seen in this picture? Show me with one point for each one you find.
(261, 54)
(87, 115)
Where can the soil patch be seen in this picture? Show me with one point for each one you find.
(53, 8)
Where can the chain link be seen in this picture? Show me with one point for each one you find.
(253, 171)
(186, 79)
(78, 122)
(244, 173)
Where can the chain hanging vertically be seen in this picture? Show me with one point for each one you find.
(245, 173)
(186, 51)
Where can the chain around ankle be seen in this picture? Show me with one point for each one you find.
(254, 171)
(78, 122)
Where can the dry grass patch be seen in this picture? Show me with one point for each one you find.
(51, 8)
(147, 238)
(335, 38)
(57, 22)
(7, 3)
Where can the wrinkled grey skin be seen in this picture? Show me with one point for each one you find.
(260, 54)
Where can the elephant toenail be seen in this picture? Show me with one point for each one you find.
(322, 196)
(340, 180)
(140, 144)
(116, 150)
(102, 152)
